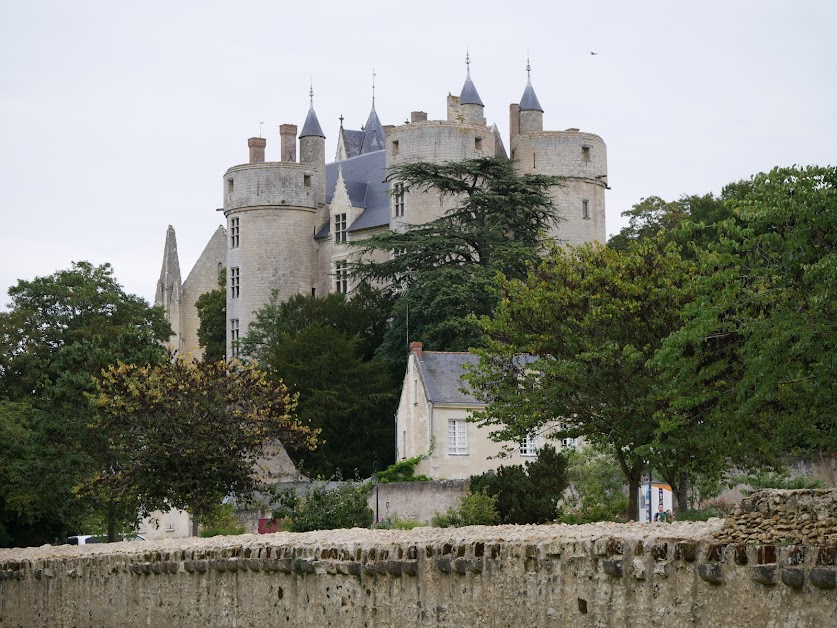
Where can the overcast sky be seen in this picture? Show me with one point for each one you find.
(120, 118)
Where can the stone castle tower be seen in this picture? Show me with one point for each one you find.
(289, 222)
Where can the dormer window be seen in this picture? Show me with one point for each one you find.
(340, 228)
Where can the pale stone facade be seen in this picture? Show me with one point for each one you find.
(432, 421)
(289, 222)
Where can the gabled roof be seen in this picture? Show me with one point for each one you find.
(352, 142)
(373, 133)
(442, 372)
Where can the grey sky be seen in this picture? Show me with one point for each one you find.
(118, 119)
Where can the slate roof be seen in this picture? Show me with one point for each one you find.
(312, 127)
(373, 133)
(529, 101)
(442, 372)
(469, 95)
(364, 177)
(352, 142)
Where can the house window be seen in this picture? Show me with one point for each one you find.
(529, 446)
(398, 196)
(585, 153)
(585, 209)
(234, 337)
(341, 277)
(457, 437)
(235, 282)
(395, 148)
(340, 228)
(568, 443)
(234, 233)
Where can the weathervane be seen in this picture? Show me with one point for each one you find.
(468, 61)
(261, 122)
(373, 87)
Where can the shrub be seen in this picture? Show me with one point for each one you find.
(402, 471)
(597, 491)
(394, 523)
(220, 520)
(527, 494)
(324, 508)
(776, 479)
(475, 509)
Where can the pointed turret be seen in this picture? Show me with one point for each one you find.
(373, 133)
(312, 148)
(531, 112)
(170, 287)
(470, 102)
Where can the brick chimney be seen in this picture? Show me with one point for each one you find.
(256, 146)
(288, 134)
(415, 349)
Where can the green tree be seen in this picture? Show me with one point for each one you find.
(590, 318)
(526, 494)
(326, 508)
(475, 509)
(756, 355)
(185, 434)
(442, 269)
(212, 312)
(321, 349)
(60, 331)
(597, 487)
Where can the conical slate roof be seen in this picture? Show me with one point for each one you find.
(312, 127)
(373, 133)
(529, 101)
(469, 95)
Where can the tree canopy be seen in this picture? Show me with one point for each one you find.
(212, 312)
(186, 434)
(442, 269)
(323, 350)
(60, 331)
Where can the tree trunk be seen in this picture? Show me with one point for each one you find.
(111, 522)
(196, 520)
(634, 476)
(682, 492)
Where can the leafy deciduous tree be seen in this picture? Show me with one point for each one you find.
(212, 312)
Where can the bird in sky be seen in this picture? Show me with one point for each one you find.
(594, 53)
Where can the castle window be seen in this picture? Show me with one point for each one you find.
(478, 144)
(341, 277)
(534, 160)
(230, 186)
(234, 232)
(529, 446)
(395, 148)
(234, 337)
(340, 228)
(585, 153)
(398, 197)
(457, 437)
(585, 209)
(235, 282)
(306, 180)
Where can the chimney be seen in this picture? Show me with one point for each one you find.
(514, 124)
(418, 116)
(288, 134)
(256, 146)
(415, 349)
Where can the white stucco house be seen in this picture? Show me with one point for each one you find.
(432, 420)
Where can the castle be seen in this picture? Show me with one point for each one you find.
(289, 222)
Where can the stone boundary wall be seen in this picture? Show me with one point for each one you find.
(594, 575)
(418, 500)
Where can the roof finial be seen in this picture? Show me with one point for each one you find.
(468, 62)
(528, 69)
(373, 88)
(341, 120)
(311, 92)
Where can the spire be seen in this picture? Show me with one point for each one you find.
(469, 95)
(312, 125)
(529, 101)
(373, 131)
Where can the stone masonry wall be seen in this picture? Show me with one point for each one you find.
(595, 575)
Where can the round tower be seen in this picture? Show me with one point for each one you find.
(470, 103)
(580, 158)
(271, 210)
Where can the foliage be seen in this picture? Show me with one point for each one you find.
(59, 333)
(212, 312)
(775, 479)
(597, 488)
(322, 350)
(402, 471)
(755, 357)
(325, 508)
(573, 341)
(475, 509)
(394, 523)
(526, 494)
(442, 268)
(220, 520)
(185, 434)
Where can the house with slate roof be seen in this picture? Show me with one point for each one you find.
(289, 222)
(432, 420)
